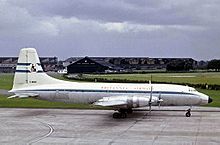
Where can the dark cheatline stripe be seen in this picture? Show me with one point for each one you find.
(110, 91)
(24, 64)
(23, 71)
(27, 64)
(40, 71)
(27, 71)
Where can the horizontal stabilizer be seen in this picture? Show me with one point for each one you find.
(23, 95)
(14, 96)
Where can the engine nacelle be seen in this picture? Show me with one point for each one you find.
(141, 101)
(128, 101)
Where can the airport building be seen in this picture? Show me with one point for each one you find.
(8, 64)
(105, 64)
(91, 65)
(126, 64)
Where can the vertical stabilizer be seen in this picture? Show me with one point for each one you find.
(29, 71)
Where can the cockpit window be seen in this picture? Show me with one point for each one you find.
(192, 90)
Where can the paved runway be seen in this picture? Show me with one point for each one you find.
(5, 92)
(68, 126)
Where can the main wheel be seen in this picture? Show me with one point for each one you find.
(116, 115)
(188, 114)
(123, 115)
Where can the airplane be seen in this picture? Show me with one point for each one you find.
(31, 81)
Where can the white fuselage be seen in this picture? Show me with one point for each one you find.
(31, 81)
(74, 92)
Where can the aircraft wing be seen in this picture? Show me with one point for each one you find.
(112, 101)
(135, 101)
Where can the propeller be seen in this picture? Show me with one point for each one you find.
(150, 100)
(151, 91)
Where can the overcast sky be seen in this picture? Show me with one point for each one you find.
(149, 28)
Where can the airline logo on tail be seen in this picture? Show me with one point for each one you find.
(33, 68)
(29, 68)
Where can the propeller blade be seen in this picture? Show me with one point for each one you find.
(150, 100)
(159, 100)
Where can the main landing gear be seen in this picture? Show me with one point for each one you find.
(188, 112)
(118, 115)
(122, 113)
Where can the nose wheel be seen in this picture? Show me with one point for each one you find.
(188, 113)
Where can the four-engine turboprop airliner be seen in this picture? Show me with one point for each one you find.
(31, 81)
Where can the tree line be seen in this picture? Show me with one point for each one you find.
(214, 65)
(181, 65)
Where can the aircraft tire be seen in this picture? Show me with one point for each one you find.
(123, 115)
(188, 114)
(116, 115)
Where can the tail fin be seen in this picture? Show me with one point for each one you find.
(29, 71)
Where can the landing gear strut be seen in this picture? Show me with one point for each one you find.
(129, 111)
(188, 112)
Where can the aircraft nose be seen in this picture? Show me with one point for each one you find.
(210, 100)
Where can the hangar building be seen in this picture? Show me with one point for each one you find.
(90, 65)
